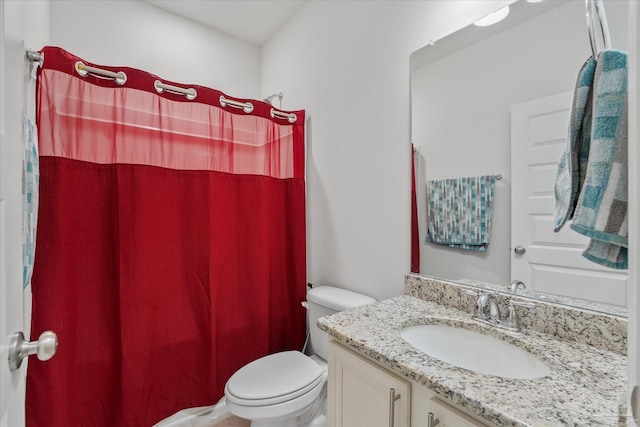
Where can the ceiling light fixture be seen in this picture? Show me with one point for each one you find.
(493, 18)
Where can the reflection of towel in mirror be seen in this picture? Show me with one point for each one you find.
(459, 212)
(601, 211)
(573, 161)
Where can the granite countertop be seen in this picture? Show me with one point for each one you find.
(586, 386)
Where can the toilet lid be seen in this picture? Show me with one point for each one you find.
(276, 378)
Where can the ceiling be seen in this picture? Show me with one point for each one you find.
(254, 21)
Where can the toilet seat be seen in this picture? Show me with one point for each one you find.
(279, 411)
(274, 379)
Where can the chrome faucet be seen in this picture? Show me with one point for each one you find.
(488, 306)
(513, 287)
(488, 311)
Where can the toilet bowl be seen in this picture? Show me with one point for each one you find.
(288, 389)
(276, 388)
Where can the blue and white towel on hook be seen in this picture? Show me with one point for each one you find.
(572, 165)
(459, 212)
(602, 209)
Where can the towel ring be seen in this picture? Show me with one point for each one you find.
(595, 8)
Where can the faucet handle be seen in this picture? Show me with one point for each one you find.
(478, 310)
(511, 321)
(522, 303)
(484, 298)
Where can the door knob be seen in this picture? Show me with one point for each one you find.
(45, 348)
(519, 250)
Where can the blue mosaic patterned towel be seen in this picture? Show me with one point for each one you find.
(30, 189)
(459, 212)
(572, 165)
(601, 212)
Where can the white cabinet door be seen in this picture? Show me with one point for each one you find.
(360, 394)
(447, 416)
(425, 402)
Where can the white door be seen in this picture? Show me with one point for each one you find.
(22, 23)
(13, 383)
(11, 300)
(634, 212)
(549, 262)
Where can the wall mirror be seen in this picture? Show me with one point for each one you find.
(470, 93)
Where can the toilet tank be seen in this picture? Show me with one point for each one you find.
(326, 300)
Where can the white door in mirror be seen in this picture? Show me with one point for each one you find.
(45, 348)
(549, 262)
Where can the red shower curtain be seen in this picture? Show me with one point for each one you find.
(415, 231)
(170, 245)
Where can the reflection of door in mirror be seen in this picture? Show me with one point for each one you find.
(550, 263)
(462, 92)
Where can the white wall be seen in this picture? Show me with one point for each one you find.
(137, 34)
(347, 64)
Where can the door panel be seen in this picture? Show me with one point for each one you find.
(633, 303)
(553, 262)
(7, 390)
(12, 383)
(22, 23)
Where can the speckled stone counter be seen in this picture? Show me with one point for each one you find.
(606, 331)
(586, 387)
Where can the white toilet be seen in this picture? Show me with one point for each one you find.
(287, 389)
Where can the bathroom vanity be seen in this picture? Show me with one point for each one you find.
(361, 393)
(375, 373)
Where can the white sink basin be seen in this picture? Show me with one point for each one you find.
(474, 351)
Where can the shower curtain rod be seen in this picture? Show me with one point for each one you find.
(269, 98)
(34, 56)
(190, 93)
(247, 107)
